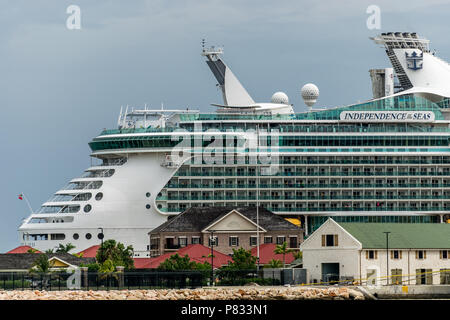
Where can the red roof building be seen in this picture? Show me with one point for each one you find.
(197, 252)
(23, 249)
(266, 253)
(90, 252)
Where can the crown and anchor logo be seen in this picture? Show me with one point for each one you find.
(414, 60)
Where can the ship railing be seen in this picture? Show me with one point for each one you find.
(340, 209)
(116, 162)
(319, 185)
(306, 198)
(316, 174)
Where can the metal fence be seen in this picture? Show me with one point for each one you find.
(136, 279)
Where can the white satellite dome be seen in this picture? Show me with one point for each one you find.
(310, 93)
(279, 97)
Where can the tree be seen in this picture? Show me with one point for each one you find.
(42, 264)
(237, 271)
(32, 250)
(64, 248)
(116, 253)
(297, 254)
(177, 262)
(283, 249)
(242, 260)
(274, 263)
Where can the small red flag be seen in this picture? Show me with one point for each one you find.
(20, 197)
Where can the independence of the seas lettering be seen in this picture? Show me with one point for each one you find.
(389, 116)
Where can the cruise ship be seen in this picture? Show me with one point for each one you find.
(383, 160)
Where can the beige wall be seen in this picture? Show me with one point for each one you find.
(244, 239)
(408, 264)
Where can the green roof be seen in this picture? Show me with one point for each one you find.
(402, 235)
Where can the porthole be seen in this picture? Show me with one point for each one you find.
(148, 194)
(100, 236)
(76, 236)
(147, 206)
(99, 196)
(87, 208)
(88, 236)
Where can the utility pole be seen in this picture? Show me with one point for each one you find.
(387, 256)
(257, 200)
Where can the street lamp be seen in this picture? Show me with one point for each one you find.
(211, 239)
(387, 256)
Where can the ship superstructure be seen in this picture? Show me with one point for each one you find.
(384, 160)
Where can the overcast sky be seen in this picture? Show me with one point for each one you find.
(59, 88)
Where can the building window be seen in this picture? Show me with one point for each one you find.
(214, 241)
(371, 254)
(396, 276)
(253, 241)
(421, 254)
(444, 254)
(182, 241)
(268, 240)
(281, 239)
(445, 276)
(396, 254)
(99, 196)
(293, 242)
(424, 276)
(195, 240)
(154, 244)
(233, 241)
(329, 240)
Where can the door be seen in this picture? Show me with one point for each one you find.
(330, 272)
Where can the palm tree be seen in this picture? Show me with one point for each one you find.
(41, 264)
(64, 248)
(274, 263)
(283, 249)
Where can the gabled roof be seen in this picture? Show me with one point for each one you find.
(197, 252)
(90, 252)
(24, 261)
(240, 215)
(266, 253)
(195, 219)
(22, 249)
(401, 236)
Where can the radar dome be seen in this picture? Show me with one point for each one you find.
(279, 97)
(310, 93)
